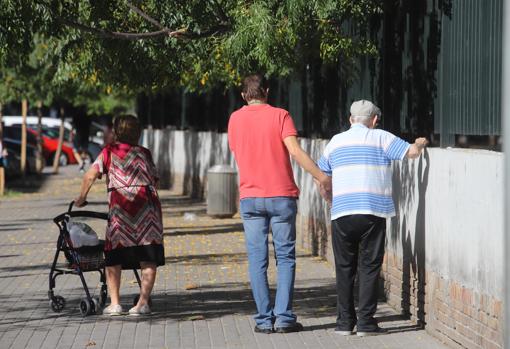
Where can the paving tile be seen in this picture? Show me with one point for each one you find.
(202, 297)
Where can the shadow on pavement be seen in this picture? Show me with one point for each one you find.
(29, 184)
(213, 229)
(208, 259)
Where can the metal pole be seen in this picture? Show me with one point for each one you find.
(505, 114)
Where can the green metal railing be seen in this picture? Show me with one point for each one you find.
(469, 89)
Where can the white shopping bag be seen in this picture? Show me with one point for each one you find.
(82, 234)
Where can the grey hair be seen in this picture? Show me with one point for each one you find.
(361, 119)
(365, 119)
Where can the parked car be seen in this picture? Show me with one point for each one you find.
(12, 142)
(93, 148)
(32, 122)
(50, 146)
(51, 131)
(54, 133)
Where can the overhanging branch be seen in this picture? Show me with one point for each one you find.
(123, 35)
(183, 33)
(145, 16)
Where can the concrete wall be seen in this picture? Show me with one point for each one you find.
(444, 260)
(183, 157)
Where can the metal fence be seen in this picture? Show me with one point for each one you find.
(438, 74)
(469, 94)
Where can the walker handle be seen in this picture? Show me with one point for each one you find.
(72, 204)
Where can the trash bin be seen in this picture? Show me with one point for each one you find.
(221, 191)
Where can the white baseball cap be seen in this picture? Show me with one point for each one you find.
(364, 108)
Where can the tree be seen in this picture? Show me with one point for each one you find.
(11, 89)
(56, 159)
(23, 157)
(2, 166)
(44, 78)
(154, 45)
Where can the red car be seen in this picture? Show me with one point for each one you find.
(50, 145)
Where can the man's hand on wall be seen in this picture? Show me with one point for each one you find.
(417, 147)
(422, 142)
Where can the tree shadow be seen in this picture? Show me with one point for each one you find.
(192, 185)
(29, 184)
(208, 259)
(206, 230)
(420, 237)
(410, 194)
(18, 268)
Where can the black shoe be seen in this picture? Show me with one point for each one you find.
(263, 330)
(296, 327)
(375, 332)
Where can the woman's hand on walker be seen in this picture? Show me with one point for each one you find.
(80, 201)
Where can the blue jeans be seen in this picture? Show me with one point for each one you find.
(279, 213)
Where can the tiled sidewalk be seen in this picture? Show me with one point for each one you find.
(201, 299)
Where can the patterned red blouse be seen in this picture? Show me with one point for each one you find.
(134, 207)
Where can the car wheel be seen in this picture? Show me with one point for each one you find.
(64, 161)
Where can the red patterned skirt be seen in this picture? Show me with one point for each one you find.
(135, 228)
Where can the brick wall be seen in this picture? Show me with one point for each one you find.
(456, 314)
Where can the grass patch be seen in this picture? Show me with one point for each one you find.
(11, 194)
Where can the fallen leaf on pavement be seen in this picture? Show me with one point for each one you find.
(194, 318)
(191, 286)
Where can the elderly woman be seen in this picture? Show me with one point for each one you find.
(134, 235)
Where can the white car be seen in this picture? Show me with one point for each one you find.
(33, 120)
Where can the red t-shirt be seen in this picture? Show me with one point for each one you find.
(255, 136)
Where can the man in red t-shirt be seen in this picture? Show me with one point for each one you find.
(262, 139)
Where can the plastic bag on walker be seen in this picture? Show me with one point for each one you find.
(82, 234)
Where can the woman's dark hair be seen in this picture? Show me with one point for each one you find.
(255, 87)
(127, 129)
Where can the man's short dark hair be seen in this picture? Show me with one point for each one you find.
(255, 87)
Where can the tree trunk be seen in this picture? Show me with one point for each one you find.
(24, 111)
(2, 170)
(40, 156)
(56, 159)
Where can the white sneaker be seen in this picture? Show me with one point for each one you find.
(344, 333)
(137, 311)
(378, 331)
(113, 310)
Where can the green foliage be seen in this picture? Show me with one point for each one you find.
(68, 46)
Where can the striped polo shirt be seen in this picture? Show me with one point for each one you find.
(360, 162)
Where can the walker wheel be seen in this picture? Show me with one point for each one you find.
(96, 307)
(137, 297)
(86, 307)
(57, 303)
(103, 296)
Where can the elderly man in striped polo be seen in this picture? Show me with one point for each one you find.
(360, 162)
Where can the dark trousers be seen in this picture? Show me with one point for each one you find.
(358, 242)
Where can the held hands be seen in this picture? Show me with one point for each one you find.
(325, 188)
